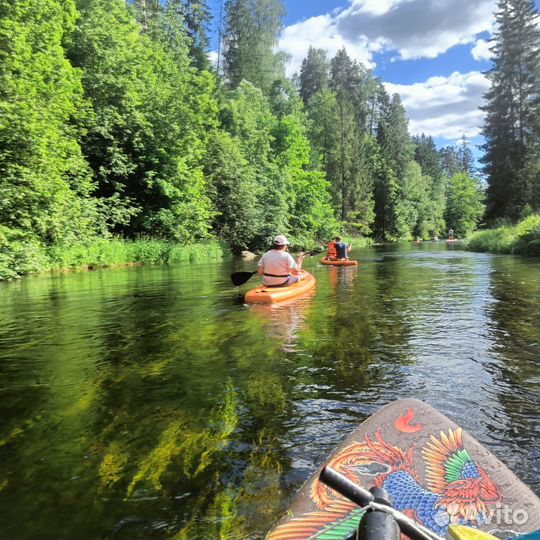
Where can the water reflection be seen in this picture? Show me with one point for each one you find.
(515, 313)
(284, 321)
(146, 403)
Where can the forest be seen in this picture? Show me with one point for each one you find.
(115, 124)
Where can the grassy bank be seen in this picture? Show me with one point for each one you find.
(520, 239)
(19, 258)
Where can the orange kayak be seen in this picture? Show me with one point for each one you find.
(263, 295)
(347, 262)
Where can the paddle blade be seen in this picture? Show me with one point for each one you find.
(239, 278)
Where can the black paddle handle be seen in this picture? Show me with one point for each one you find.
(363, 497)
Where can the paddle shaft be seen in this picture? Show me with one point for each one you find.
(363, 497)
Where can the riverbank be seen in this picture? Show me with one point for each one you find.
(520, 239)
(18, 259)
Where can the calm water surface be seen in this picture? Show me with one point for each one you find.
(148, 403)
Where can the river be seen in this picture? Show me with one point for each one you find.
(150, 403)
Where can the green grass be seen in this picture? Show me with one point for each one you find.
(25, 258)
(520, 239)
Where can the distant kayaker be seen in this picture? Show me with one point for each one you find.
(331, 252)
(450, 234)
(342, 248)
(277, 266)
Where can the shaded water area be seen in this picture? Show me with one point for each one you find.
(148, 403)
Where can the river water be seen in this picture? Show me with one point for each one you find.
(150, 403)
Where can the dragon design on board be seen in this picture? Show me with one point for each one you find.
(457, 490)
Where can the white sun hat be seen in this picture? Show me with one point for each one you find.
(281, 240)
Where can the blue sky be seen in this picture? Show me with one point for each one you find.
(432, 52)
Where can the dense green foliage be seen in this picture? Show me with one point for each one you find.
(464, 206)
(521, 239)
(45, 182)
(113, 122)
(512, 125)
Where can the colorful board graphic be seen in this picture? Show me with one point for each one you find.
(436, 473)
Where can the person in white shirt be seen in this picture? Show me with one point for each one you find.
(277, 266)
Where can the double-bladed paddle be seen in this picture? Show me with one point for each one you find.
(239, 278)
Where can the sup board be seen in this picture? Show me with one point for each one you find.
(436, 473)
(264, 295)
(330, 262)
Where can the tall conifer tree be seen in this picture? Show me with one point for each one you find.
(512, 123)
(313, 74)
(252, 30)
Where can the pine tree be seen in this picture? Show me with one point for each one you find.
(196, 18)
(313, 73)
(450, 161)
(252, 30)
(512, 123)
(352, 185)
(465, 156)
(396, 153)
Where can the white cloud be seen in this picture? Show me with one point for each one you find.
(481, 50)
(413, 28)
(444, 106)
(320, 32)
(212, 57)
(417, 28)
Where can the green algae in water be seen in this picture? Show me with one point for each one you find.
(113, 466)
(195, 448)
(211, 440)
(156, 463)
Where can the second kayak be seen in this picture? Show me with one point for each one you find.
(263, 295)
(331, 262)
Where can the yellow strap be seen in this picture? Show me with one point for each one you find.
(460, 532)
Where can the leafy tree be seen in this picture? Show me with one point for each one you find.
(313, 73)
(512, 123)
(234, 191)
(414, 211)
(147, 13)
(427, 156)
(248, 118)
(148, 133)
(308, 193)
(251, 33)
(45, 183)
(464, 207)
